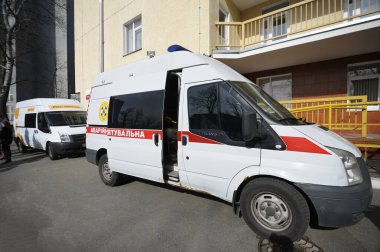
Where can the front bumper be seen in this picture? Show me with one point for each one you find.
(69, 148)
(338, 206)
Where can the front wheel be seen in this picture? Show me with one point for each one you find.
(274, 209)
(108, 177)
(51, 152)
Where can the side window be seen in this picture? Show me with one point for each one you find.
(231, 113)
(203, 107)
(30, 120)
(42, 123)
(137, 111)
(216, 112)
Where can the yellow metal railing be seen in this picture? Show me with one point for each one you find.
(296, 18)
(348, 114)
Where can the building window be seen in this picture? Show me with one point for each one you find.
(224, 16)
(279, 87)
(275, 25)
(132, 35)
(364, 79)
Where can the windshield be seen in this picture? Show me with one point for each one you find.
(273, 109)
(63, 118)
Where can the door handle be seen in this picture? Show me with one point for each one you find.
(36, 131)
(184, 140)
(156, 139)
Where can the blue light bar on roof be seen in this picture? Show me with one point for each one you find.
(176, 48)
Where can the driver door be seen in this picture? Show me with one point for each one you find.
(213, 149)
(42, 132)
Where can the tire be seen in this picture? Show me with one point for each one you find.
(274, 209)
(51, 152)
(108, 177)
(20, 147)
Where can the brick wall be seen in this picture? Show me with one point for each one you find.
(323, 79)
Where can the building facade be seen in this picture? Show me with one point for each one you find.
(293, 49)
(45, 53)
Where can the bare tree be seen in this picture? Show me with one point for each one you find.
(10, 11)
(19, 16)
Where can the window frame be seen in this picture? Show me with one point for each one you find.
(132, 23)
(350, 78)
(224, 137)
(275, 76)
(224, 33)
(43, 115)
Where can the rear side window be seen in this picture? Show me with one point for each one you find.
(137, 111)
(30, 120)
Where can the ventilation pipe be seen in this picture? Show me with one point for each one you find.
(101, 42)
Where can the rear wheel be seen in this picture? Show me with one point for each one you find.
(108, 177)
(274, 209)
(20, 146)
(51, 152)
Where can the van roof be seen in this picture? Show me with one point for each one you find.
(165, 62)
(46, 102)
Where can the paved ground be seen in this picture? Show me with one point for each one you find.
(63, 206)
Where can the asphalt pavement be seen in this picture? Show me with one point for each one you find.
(62, 205)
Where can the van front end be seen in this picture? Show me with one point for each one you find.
(66, 140)
(339, 205)
(70, 144)
(326, 168)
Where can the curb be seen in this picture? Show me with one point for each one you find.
(375, 183)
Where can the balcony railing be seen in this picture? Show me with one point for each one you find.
(296, 18)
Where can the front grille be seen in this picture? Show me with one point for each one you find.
(79, 138)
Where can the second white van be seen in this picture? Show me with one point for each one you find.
(57, 126)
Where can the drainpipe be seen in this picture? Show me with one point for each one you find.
(101, 34)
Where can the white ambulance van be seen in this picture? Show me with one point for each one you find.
(192, 122)
(57, 126)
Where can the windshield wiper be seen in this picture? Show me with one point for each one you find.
(292, 119)
(288, 119)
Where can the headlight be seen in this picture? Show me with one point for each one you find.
(351, 166)
(64, 138)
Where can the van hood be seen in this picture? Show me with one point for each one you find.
(327, 138)
(70, 130)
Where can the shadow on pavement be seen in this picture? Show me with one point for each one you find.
(373, 214)
(277, 243)
(26, 158)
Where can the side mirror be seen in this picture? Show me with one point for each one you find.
(249, 126)
(45, 129)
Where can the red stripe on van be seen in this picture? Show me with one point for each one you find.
(194, 138)
(126, 133)
(302, 144)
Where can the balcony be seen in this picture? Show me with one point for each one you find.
(291, 21)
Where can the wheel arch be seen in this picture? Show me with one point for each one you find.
(100, 153)
(238, 191)
(46, 145)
